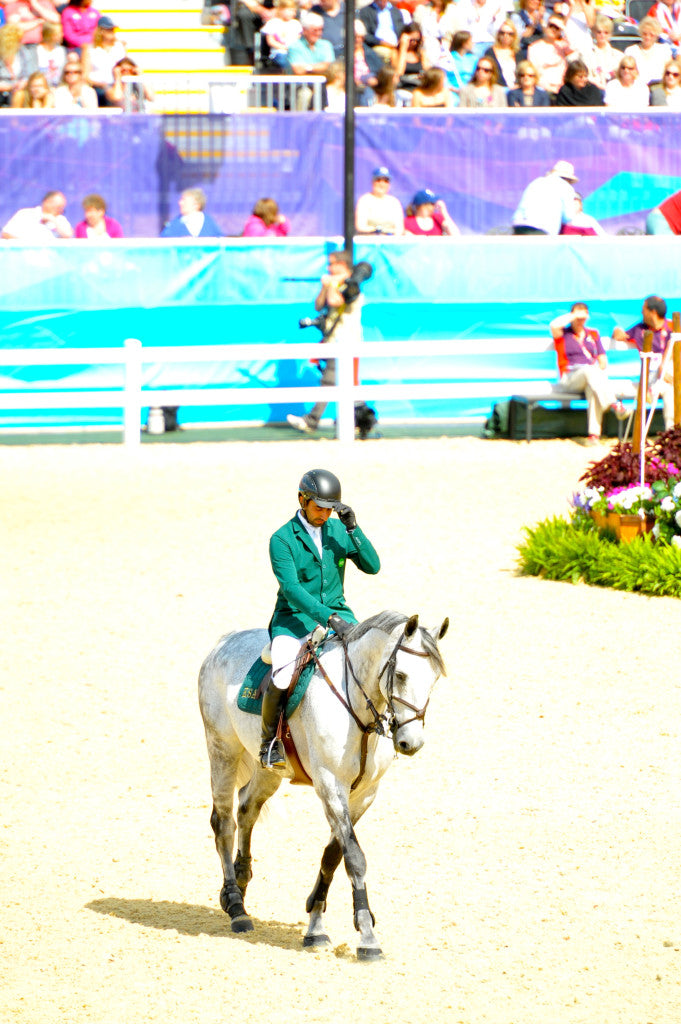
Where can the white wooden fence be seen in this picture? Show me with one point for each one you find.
(131, 398)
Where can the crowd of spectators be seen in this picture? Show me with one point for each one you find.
(481, 47)
(66, 57)
(440, 53)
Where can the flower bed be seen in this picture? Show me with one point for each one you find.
(612, 507)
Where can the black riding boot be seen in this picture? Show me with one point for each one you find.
(272, 749)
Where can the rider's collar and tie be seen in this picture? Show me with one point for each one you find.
(315, 532)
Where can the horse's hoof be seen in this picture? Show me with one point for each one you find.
(369, 953)
(242, 924)
(312, 941)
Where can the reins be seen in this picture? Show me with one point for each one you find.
(377, 725)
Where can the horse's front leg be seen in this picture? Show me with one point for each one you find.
(316, 901)
(341, 819)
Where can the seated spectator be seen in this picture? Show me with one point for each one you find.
(377, 212)
(335, 88)
(549, 55)
(582, 365)
(626, 91)
(333, 13)
(74, 94)
(438, 21)
(192, 222)
(665, 219)
(384, 90)
(411, 60)
(51, 55)
(384, 24)
(668, 94)
(460, 64)
(504, 53)
(96, 224)
(668, 13)
(310, 54)
(36, 95)
(577, 90)
(483, 90)
(15, 63)
(41, 223)
(527, 94)
(581, 223)
(281, 32)
(427, 215)
(529, 20)
(266, 221)
(106, 52)
(579, 18)
(23, 14)
(433, 91)
(481, 18)
(366, 64)
(79, 21)
(650, 55)
(129, 90)
(604, 58)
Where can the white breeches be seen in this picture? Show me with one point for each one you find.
(666, 389)
(599, 392)
(285, 650)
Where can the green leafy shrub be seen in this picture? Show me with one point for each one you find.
(576, 551)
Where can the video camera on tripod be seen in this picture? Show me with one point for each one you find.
(350, 289)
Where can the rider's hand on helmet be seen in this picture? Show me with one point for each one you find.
(347, 517)
(339, 625)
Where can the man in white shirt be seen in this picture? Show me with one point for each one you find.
(41, 223)
(377, 212)
(547, 203)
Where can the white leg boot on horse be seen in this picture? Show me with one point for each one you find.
(272, 754)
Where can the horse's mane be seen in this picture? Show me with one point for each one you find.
(387, 622)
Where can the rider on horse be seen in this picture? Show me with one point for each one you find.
(308, 556)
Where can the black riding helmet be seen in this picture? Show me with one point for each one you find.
(322, 486)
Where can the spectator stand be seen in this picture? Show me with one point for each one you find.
(177, 52)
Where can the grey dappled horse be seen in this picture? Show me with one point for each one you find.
(367, 699)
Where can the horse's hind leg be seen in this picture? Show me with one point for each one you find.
(260, 787)
(224, 763)
(316, 901)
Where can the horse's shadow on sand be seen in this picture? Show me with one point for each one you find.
(192, 919)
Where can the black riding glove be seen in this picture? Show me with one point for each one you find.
(347, 517)
(339, 625)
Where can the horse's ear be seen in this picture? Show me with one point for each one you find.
(412, 626)
(443, 628)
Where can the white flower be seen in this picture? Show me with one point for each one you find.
(676, 541)
(667, 504)
(677, 490)
(656, 531)
(677, 518)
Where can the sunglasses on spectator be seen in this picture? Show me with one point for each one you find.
(527, 74)
(672, 74)
(558, 28)
(506, 32)
(482, 67)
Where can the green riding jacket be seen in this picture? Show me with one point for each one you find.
(310, 588)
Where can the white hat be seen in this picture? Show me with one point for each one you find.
(564, 170)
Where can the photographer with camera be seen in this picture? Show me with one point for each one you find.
(339, 304)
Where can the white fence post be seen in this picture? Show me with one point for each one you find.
(345, 403)
(132, 408)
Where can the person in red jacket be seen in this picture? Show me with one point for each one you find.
(665, 219)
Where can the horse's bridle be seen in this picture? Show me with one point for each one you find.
(379, 722)
(389, 668)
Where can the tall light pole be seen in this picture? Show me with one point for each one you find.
(349, 130)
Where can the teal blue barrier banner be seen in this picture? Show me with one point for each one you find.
(86, 294)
